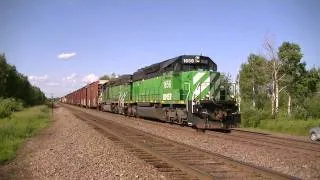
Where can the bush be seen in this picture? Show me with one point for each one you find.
(312, 106)
(300, 113)
(252, 118)
(9, 105)
(248, 118)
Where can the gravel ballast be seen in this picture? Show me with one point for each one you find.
(279, 159)
(71, 149)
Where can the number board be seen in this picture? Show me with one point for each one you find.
(194, 60)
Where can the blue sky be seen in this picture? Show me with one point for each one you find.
(102, 36)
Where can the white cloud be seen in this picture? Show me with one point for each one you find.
(62, 86)
(52, 84)
(66, 56)
(71, 78)
(37, 78)
(90, 78)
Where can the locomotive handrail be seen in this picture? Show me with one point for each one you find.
(187, 104)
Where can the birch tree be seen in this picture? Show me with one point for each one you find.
(286, 69)
(292, 69)
(253, 80)
(274, 68)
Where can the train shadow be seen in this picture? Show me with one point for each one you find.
(219, 130)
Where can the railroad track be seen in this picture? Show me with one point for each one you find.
(249, 137)
(176, 160)
(259, 140)
(290, 142)
(275, 137)
(253, 138)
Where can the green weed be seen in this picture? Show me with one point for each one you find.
(19, 126)
(289, 126)
(8, 106)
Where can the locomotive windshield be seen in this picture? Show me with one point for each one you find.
(196, 67)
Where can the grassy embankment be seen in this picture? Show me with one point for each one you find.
(21, 125)
(262, 121)
(289, 126)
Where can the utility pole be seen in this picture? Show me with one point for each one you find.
(52, 105)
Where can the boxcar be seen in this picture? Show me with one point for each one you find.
(93, 92)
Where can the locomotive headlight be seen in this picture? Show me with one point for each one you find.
(197, 59)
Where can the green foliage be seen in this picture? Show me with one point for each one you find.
(290, 126)
(21, 125)
(15, 92)
(254, 81)
(312, 106)
(105, 77)
(252, 118)
(108, 77)
(226, 83)
(299, 112)
(9, 105)
(295, 75)
(294, 80)
(290, 55)
(15, 85)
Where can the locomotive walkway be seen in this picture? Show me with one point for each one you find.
(176, 160)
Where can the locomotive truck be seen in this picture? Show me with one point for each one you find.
(186, 90)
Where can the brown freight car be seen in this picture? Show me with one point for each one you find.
(78, 97)
(83, 96)
(73, 97)
(86, 96)
(93, 93)
(68, 98)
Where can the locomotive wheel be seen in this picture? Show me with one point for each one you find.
(166, 116)
(134, 111)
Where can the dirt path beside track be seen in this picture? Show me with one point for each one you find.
(71, 149)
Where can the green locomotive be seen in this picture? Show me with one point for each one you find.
(184, 90)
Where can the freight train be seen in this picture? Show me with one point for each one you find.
(186, 90)
(87, 96)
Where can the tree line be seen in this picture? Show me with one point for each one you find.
(16, 85)
(278, 84)
(109, 77)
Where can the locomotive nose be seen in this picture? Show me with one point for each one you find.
(218, 115)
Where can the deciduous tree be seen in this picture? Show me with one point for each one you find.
(291, 69)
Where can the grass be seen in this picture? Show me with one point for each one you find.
(261, 120)
(20, 125)
(288, 126)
